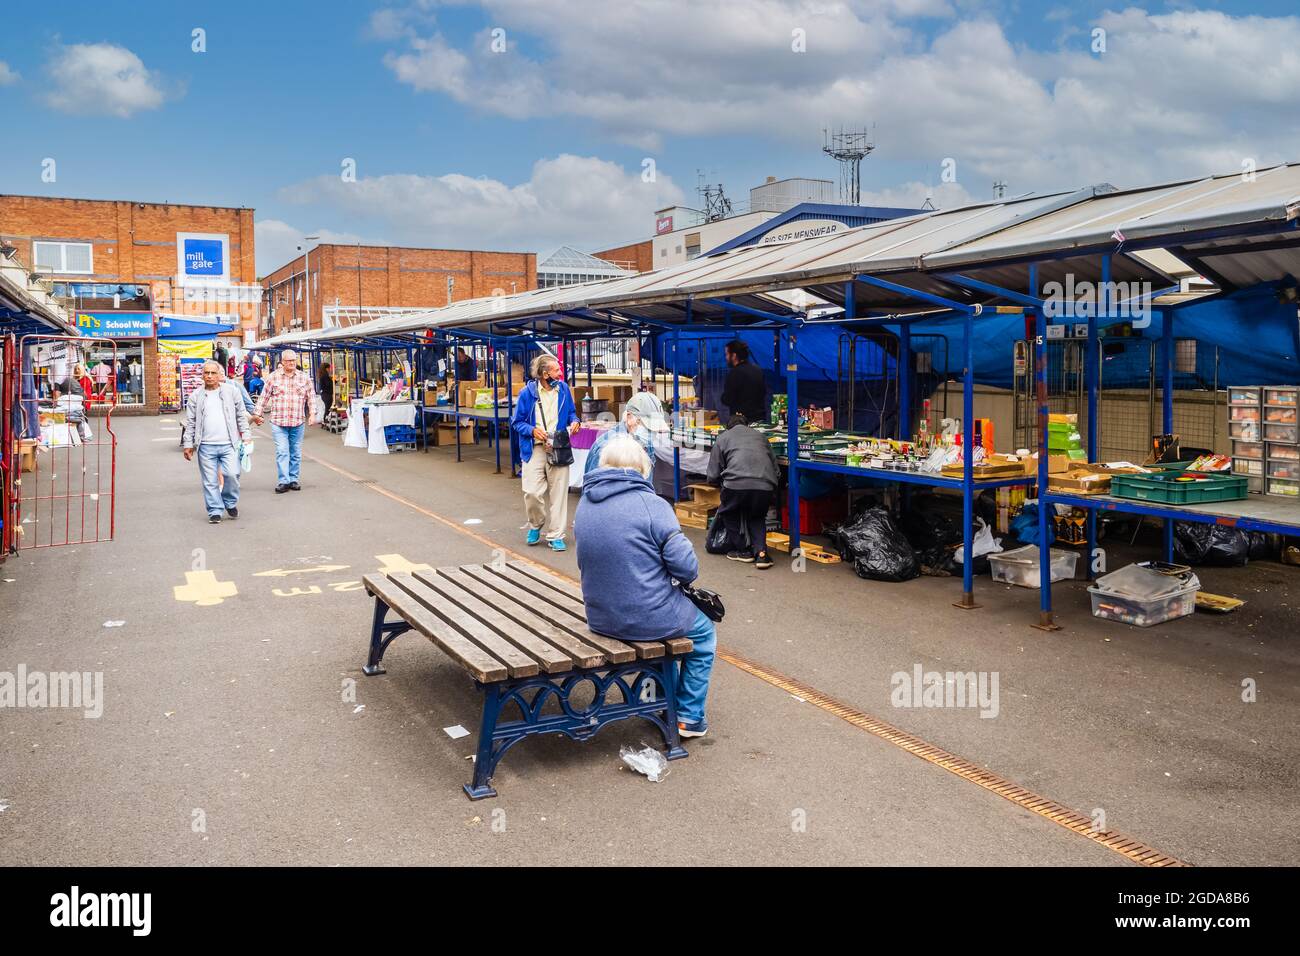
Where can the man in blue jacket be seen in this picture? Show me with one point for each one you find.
(630, 551)
(544, 408)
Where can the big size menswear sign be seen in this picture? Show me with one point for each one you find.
(202, 258)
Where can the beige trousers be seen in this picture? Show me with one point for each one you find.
(546, 494)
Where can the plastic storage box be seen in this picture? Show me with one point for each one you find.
(1244, 395)
(1285, 395)
(1143, 612)
(1284, 486)
(1244, 431)
(1169, 488)
(1145, 594)
(1247, 449)
(1020, 566)
(1276, 451)
(1281, 432)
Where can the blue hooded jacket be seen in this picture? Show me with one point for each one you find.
(523, 422)
(630, 550)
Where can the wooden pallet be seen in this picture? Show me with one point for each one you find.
(813, 552)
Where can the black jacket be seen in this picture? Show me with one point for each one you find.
(746, 392)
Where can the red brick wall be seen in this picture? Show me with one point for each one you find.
(639, 254)
(394, 277)
(133, 243)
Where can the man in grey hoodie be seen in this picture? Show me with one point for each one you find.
(743, 463)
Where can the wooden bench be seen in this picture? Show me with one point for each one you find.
(522, 635)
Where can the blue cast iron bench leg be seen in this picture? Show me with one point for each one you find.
(513, 707)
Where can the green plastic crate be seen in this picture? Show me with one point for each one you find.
(1165, 488)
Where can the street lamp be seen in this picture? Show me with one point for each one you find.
(306, 276)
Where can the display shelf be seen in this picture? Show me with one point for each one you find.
(908, 477)
(1267, 513)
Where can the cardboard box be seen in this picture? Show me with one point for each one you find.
(445, 434)
(614, 394)
(466, 392)
(704, 497)
(26, 452)
(689, 517)
(704, 416)
(1082, 478)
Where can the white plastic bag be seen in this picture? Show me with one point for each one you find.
(246, 457)
(984, 542)
(647, 761)
(318, 404)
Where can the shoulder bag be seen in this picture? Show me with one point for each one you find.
(560, 453)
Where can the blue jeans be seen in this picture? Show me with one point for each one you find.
(224, 458)
(693, 680)
(288, 452)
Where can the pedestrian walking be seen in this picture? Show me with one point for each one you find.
(286, 400)
(631, 550)
(217, 425)
(543, 421)
(742, 462)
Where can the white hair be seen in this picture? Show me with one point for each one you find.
(542, 361)
(624, 451)
(288, 353)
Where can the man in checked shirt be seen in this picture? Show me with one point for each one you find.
(286, 400)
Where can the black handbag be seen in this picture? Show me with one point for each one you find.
(561, 451)
(710, 602)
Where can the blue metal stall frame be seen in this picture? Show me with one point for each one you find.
(1271, 516)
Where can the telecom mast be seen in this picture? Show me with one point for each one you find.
(848, 148)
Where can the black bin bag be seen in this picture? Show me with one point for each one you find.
(1210, 544)
(878, 549)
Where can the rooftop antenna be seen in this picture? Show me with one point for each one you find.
(848, 148)
(999, 189)
(716, 204)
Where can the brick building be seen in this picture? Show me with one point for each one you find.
(123, 270)
(635, 256)
(324, 287)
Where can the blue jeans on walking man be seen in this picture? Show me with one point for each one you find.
(288, 452)
(693, 682)
(224, 459)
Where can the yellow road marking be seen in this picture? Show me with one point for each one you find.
(1059, 814)
(203, 589)
(396, 564)
(285, 572)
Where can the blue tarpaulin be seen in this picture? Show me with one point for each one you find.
(1257, 336)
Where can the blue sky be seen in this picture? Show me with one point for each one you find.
(545, 142)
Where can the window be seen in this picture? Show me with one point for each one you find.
(692, 245)
(124, 384)
(63, 258)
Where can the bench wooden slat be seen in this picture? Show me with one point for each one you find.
(566, 604)
(565, 587)
(482, 665)
(451, 588)
(616, 652)
(518, 663)
(646, 649)
(566, 639)
(679, 645)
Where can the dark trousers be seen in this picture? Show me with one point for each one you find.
(744, 514)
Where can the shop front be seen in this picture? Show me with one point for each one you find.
(119, 359)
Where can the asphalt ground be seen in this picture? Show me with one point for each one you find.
(241, 730)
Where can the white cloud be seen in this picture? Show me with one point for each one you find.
(912, 195)
(7, 74)
(277, 242)
(1181, 93)
(581, 200)
(91, 79)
